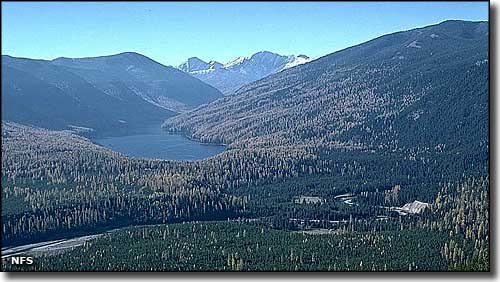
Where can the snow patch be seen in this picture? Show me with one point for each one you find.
(296, 60)
(235, 62)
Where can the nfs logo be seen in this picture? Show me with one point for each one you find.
(21, 260)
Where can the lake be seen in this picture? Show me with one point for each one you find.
(154, 143)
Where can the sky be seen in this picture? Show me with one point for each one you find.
(171, 32)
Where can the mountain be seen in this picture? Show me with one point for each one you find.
(417, 90)
(163, 86)
(102, 94)
(194, 64)
(231, 76)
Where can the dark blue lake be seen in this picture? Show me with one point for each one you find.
(154, 143)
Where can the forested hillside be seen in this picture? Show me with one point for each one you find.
(415, 90)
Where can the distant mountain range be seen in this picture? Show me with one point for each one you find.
(109, 93)
(425, 87)
(231, 76)
(417, 90)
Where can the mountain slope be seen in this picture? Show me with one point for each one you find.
(421, 89)
(96, 93)
(161, 85)
(232, 75)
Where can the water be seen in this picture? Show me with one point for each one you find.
(154, 143)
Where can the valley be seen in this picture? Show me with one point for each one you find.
(372, 158)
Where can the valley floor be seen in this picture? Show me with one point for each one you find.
(240, 246)
(274, 209)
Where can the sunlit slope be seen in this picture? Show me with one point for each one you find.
(425, 88)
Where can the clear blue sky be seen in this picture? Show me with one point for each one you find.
(170, 32)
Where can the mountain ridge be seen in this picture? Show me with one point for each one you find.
(383, 93)
(108, 93)
(230, 76)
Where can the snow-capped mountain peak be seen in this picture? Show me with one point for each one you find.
(215, 65)
(232, 75)
(296, 60)
(235, 62)
(193, 64)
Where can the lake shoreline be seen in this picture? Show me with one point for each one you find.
(154, 142)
